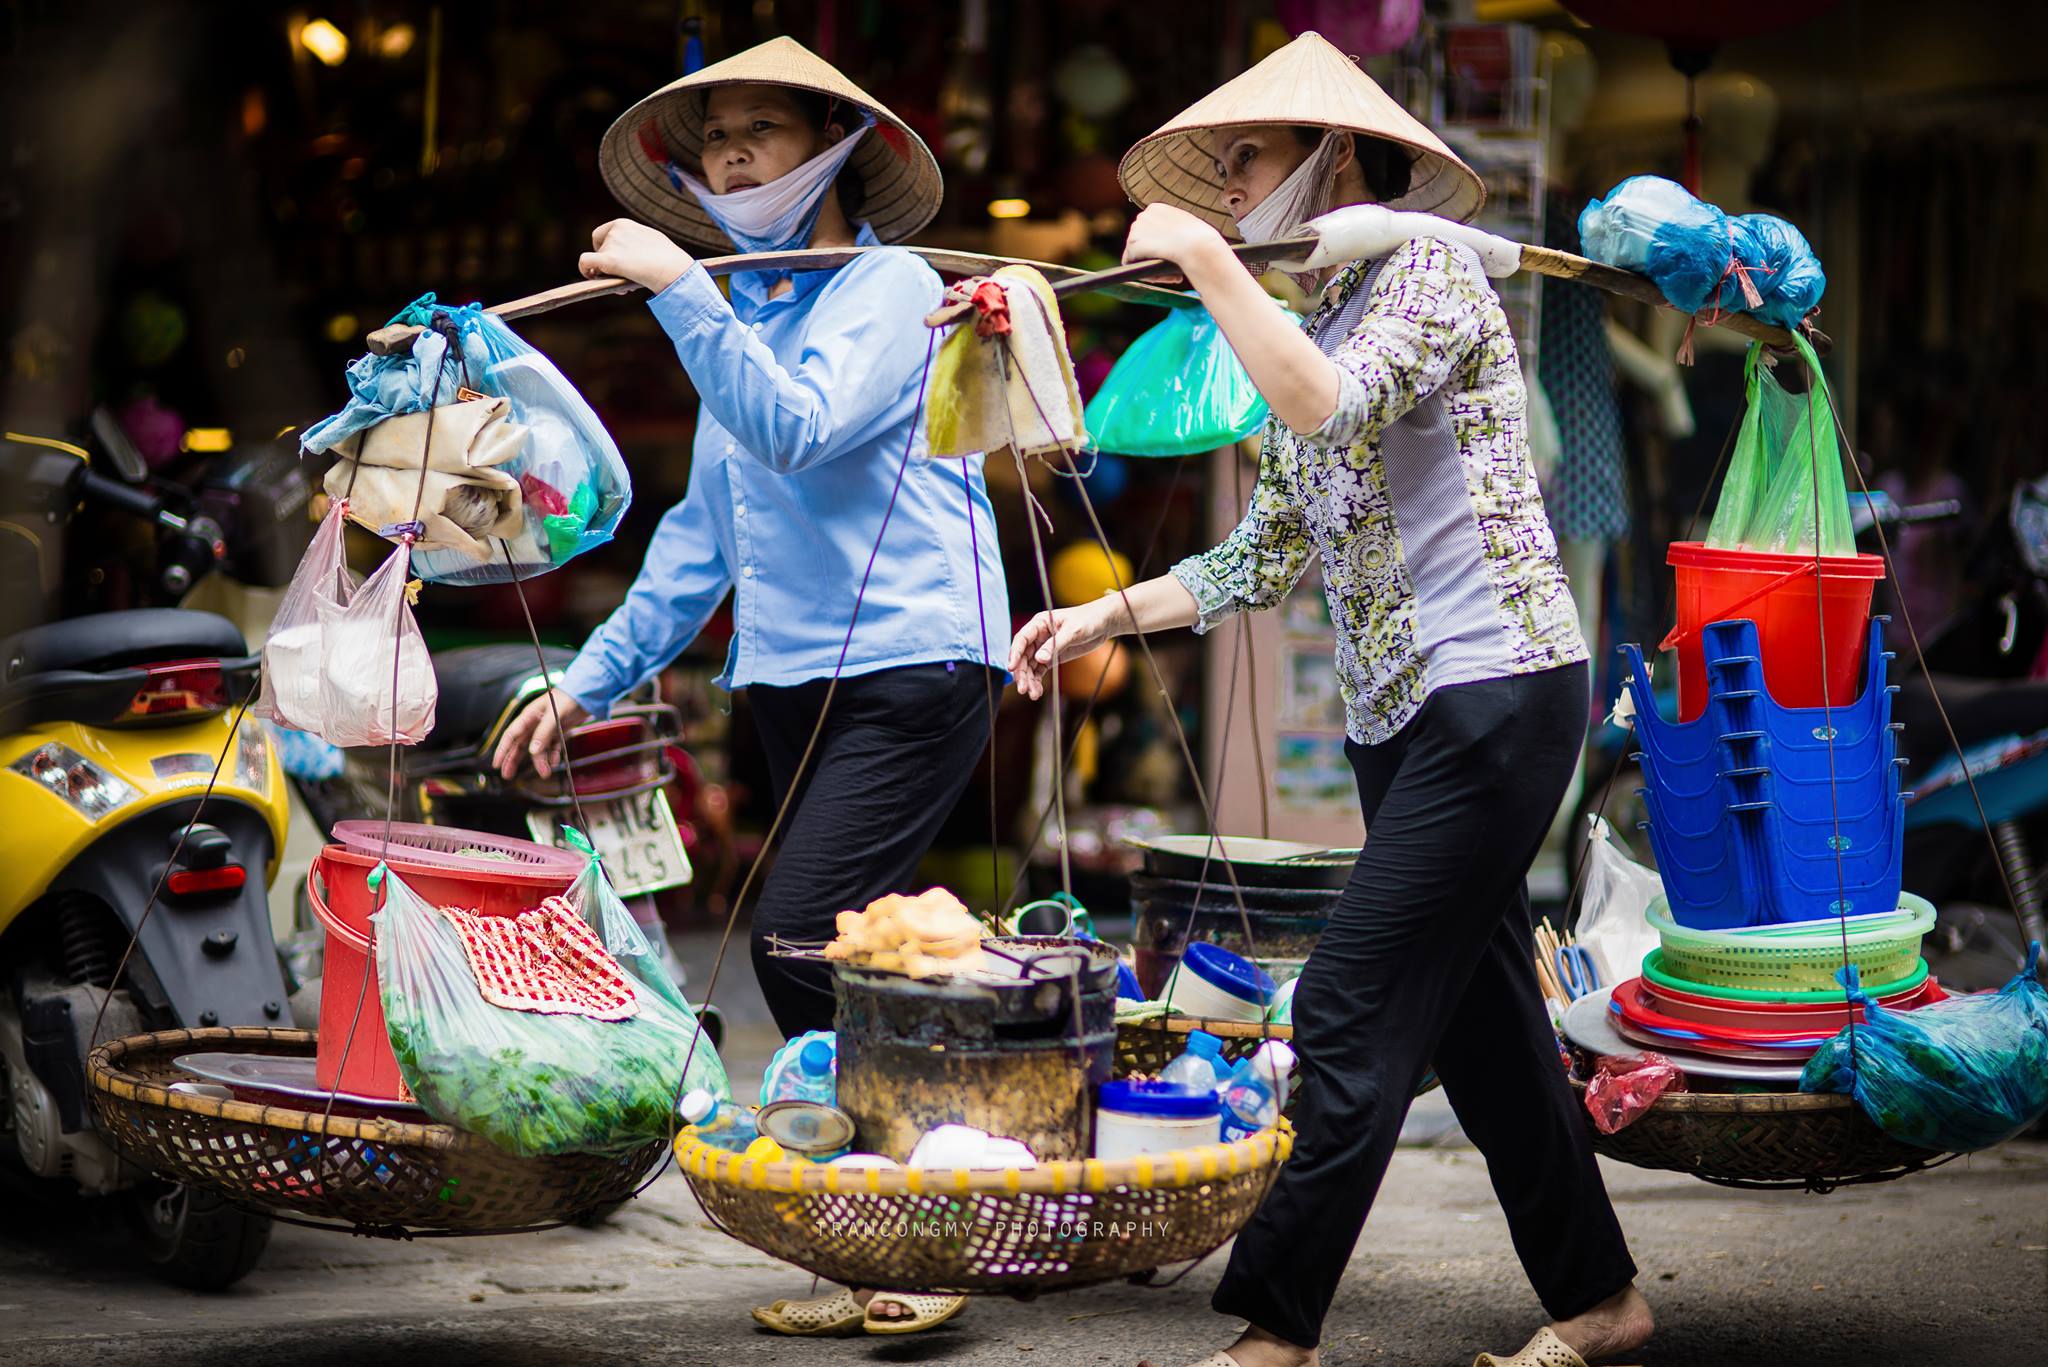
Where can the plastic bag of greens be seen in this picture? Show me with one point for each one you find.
(562, 1072)
(1955, 1077)
(1784, 450)
(1178, 390)
(573, 484)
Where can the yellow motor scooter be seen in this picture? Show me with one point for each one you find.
(125, 786)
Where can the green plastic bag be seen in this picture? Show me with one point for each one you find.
(1785, 449)
(537, 1084)
(1178, 390)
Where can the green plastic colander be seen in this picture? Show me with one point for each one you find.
(1797, 957)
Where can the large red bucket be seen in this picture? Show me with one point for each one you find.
(354, 1054)
(1776, 592)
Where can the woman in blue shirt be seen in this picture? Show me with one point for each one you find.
(808, 490)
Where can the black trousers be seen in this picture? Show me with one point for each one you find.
(895, 755)
(1428, 960)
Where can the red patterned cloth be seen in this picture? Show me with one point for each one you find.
(545, 960)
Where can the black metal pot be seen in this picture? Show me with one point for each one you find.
(1263, 863)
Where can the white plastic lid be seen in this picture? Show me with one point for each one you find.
(697, 1105)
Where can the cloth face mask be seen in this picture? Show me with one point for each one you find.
(1304, 195)
(780, 215)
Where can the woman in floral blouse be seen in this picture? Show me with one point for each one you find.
(1397, 452)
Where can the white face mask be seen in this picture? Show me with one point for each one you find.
(1304, 195)
(777, 216)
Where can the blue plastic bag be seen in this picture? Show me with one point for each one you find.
(1697, 255)
(1178, 390)
(574, 482)
(1957, 1076)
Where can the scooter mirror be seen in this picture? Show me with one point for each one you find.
(127, 461)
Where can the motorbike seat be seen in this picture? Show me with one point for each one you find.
(120, 640)
(477, 683)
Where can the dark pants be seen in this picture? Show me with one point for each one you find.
(1428, 960)
(894, 757)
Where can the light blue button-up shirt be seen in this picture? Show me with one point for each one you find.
(808, 401)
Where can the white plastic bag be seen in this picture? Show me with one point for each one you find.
(368, 646)
(293, 653)
(1612, 925)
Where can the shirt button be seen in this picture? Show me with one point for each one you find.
(730, 447)
(739, 510)
(748, 571)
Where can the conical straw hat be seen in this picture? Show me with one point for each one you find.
(1307, 82)
(900, 174)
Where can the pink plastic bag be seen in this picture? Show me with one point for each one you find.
(1626, 1085)
(294, 653)
(378, 685)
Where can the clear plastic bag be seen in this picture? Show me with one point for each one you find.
(1626, 1085)
(537, 1084)
(574, 486)
(1612, 927)
(294, 652)
(1785, 447)
(1955, 1077)
(1178, 390)
(377, 681)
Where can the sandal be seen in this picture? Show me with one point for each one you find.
(827, 1316)
(925, 1312)
(1545, 1350)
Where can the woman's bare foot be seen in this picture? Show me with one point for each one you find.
(891, 1310)
(1257, 1348)
(1620, 1324)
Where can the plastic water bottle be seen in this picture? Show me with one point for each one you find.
(780, 1077)
(811, 1079)
(1256, 1090)
(1201, 1068)
(721, 1124)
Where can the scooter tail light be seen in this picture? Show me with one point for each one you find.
(182, 688)
(226, 878)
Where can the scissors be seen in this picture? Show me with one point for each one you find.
(1575, 971)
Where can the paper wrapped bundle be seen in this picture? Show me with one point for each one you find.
(466, 500)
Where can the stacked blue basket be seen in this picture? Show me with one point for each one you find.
(1762, 814)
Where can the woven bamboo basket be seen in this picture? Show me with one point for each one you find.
(372, 1176)
(1768, 1141)
(1010, 1231)
(1148, 1045)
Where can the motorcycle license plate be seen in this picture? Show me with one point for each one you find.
(635, 837)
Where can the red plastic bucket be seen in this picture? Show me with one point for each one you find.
(354, 1054)
(1775, 592)
(503, 889)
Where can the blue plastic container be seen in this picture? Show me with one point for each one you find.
(1762, 814)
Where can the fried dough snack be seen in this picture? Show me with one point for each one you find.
(924, 935)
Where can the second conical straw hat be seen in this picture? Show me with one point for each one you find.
(898, 171)
(1308, 82)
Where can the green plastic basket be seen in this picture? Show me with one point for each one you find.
(1799, 957)
(1656, 975)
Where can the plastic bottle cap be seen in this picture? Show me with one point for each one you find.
(1161, 1099)
(816, 1058)
(697, 1106)
(1203, 1043)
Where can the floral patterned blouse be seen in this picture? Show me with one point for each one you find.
(1438, 559)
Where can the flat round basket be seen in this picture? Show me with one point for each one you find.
(1768, 1141)
(372, 1176)
(1010, 1231)
(1147, 1046)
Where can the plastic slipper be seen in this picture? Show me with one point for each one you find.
(824, 1317)
(1545, 1350)
(925, 1312)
